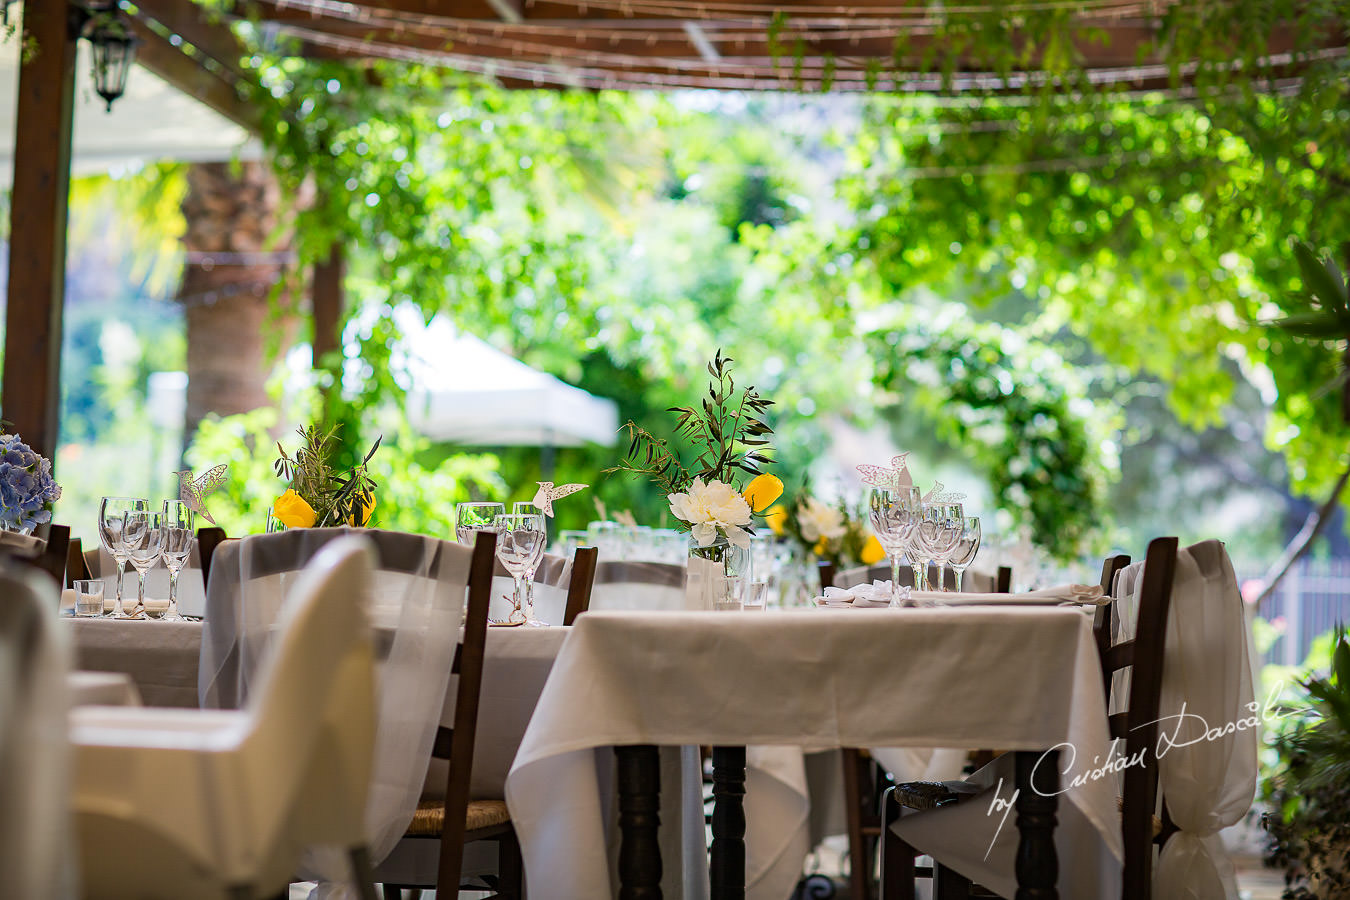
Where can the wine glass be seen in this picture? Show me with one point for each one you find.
(111, 511)
(966, 547)
(894, 513)
(939, 529)
(520, 546)
(472, 517)
(178, 527)
(142, 532)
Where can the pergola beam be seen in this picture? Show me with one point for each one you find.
(31, 392)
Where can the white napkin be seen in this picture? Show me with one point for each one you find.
(862, 596)
(1060, 595)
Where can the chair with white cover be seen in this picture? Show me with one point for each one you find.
(174, 803)
(622, 585)
(35, 860)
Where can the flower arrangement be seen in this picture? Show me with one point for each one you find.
(320, 495)
(728, 434)
(27, 488)
(837, 534)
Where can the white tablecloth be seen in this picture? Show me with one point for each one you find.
(1013, 678)
(160, 657)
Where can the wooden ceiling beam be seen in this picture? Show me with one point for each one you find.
(157, 54)
(194, 26)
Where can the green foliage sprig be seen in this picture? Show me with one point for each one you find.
(727, 431)
(1310, 789)
(337, 497)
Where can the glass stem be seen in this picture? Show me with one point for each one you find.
(960, 575)
(518, 596)
(173, 594)
(121, 566)
(529, 599)
(895, 580)
(920, 575)
(140, 590)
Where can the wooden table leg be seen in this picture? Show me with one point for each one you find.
(639, 781)
(727, 866)
(1038, 786)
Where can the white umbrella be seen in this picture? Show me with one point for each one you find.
(466, 391)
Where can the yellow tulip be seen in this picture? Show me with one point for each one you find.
(763, 490)
(822, 547)
(367, 507)
(872, 552)
(291, 510)
(776, 519)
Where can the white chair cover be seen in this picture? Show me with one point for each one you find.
(25, 546)
(638, 585)
(550, 590)
(972, 581)
(1207, 784)
(417, 609)
(35, 848)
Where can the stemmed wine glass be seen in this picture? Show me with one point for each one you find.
(111, 513)
(472, 517)
(177, 534)
(894, 513)
(963, 554)
(939, 529)
(520, 546)
(142, 532)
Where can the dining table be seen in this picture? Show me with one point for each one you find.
(1018, 678)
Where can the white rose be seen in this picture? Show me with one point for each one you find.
(821, 521)
(708, 507)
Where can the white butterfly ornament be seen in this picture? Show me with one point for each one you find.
(894, 476)
(194, 493)
(938, 495)
(547, 493)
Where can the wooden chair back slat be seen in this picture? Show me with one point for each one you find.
(1101, 624)
(1118, 725)
(826, 570)
(52, 559)
(1120, 656)
(208, 539)
(470, 682)
(1003, 580)
(76, 569)
(582, 580)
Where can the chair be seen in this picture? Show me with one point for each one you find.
(1137, 726)
(977, 582)
(76, 569)
(34, 751)
(457, 820)
(208, 540)
(46, 553)
(175, 803)
(638, 586)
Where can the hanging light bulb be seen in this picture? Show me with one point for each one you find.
(114, 50)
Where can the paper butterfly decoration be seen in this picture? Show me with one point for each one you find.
(547, 493)
(895, 476)
(194, 493)
(937, 495)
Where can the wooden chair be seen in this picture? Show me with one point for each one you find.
(76, 569)
(208, 539)
(1137, 726)
(457, 820)
(49, 557)
(580, 584)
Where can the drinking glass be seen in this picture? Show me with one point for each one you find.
(520, 546)
(894, 514)
(111, 512)
(88, 597)
(966, 547)
(755, 596)
(473, 517)
(939, 529)
(178, 529)
(142, 532)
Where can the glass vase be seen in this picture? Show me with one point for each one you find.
(717, 586)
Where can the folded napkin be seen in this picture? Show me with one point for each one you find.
(861, 596)
(1060, 595)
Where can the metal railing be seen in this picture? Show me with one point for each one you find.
(1310, 601)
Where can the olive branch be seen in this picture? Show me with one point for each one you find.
(336, 497)
(726, 429)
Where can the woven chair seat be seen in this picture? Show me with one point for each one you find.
(429, 820)
(932, 794)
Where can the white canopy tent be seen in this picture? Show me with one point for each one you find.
(465, 390)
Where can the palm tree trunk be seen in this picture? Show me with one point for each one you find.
(233, 264)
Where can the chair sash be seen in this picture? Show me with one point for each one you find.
(416, 606)
(1208, 784)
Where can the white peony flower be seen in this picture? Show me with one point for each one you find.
(821, 521)
(708, 507)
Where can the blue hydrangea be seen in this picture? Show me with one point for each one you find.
(27, 488)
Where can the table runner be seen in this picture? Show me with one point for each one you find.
(813, 679)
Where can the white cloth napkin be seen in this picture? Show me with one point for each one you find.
(862, 596)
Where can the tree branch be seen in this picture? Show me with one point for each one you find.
(1312, 527)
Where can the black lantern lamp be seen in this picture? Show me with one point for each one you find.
(114, 48)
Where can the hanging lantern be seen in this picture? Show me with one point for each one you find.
(114, 48)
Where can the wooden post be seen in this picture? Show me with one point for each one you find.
(326, 297)
(31, 390)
